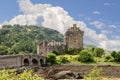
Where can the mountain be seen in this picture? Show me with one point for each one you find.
(19, 39)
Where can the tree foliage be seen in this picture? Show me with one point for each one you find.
(15, 39)
(113, 54)
(98, 52)
(85, 56)
(51, 58)
(117, 57)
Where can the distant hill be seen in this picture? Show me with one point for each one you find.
(18, 39)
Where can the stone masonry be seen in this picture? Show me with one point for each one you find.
(73, 38)
(14, 61)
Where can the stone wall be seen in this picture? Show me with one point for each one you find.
(13, 61)
(56, 46)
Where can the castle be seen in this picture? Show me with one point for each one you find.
(73, 38)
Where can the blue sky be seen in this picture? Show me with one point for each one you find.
(99, 17)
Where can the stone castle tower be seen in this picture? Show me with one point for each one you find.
(74, 37)
(42, 48)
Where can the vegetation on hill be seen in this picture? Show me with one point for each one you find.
(19, 39)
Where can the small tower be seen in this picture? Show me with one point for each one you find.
(74, 37)
(42, 48)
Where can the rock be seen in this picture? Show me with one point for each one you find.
(65, 75)
(20, 70)
(79, 76)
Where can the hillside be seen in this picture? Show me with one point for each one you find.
(18, 39)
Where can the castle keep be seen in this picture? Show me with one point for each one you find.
(73, 38)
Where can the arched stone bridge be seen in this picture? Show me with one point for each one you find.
(14, 61)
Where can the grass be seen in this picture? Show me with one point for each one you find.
(98, 61)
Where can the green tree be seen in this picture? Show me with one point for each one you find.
(113, 54)
(23, 39)
(117, 57)
(98, 52)
(51, 58)
(3, 50)
(85, 56)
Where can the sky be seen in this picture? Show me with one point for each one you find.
(99, 19)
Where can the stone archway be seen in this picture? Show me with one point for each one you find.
(35, 62)
(26, 62)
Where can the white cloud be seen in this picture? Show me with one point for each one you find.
(116, 37)
(87, 18)
(0, 26)
(112, 26)
(57, 18)
(111, 44)
(97, 24)
(96, 12)
(106, 32)
(107, 4)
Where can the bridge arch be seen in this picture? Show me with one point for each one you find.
(26, 62)
(41, 62)
(35, 62)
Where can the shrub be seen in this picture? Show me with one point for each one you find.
(51, 58)
(113, 54)
(98, 52)
(63, 59)
(117, 57)
(70, 51)
(56, 52)
(11, 75)
(84, 56)
(95, 74)
(108, 58)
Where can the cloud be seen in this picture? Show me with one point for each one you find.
(0, 26)
(57, 18)
(106, 32)
(111, 44)
(107, 4)
(97, 24)
(87, 18)
(96, 12)
(112, 26)
(116, 37)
